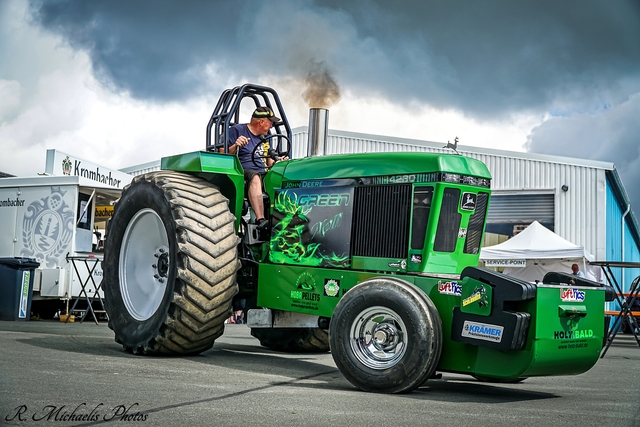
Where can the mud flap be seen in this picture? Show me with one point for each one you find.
(488, 316)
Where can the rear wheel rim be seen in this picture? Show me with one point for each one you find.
(144, 264)
(378, 337)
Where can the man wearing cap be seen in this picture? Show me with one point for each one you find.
(243, 139)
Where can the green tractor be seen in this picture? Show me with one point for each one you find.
(370, 255)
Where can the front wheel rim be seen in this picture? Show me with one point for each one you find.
(144, 264)
(378, 337)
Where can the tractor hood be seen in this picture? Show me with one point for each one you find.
(377, 164)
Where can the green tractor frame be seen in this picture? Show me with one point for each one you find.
(372, 256)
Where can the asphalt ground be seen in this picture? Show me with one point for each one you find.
(48, 369)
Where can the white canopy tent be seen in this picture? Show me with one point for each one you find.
(537, 251)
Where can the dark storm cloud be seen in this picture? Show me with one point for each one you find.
(612, 135)
(154, 50)
(483, 57)
(495, 56)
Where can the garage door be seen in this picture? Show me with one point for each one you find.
(521, 208)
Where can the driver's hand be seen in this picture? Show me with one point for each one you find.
(284, 158)
(242, 141)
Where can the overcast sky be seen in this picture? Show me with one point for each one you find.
(122, 82)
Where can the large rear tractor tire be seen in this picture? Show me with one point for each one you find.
(170, 264)
(386, 336)
(293, 340)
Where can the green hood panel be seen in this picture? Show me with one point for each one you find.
(378, 164)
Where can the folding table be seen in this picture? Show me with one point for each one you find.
(90, 262)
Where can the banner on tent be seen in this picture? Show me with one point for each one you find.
(505, 263)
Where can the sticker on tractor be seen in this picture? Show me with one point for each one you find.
(476, 298)
(304, 184)
(468, 202)
(399, 264)
(572, 295)
(320, 183)
(482, 331)
(306, 282)
(462, 233)
(450, 288)
(479, 295)
(312, 227)
(331, 287)
(416, 259)
(571, 335)
(305, 296)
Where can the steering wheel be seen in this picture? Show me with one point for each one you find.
(272, 154)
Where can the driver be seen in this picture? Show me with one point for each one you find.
(243, 139)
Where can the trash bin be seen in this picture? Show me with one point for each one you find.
(16, 287)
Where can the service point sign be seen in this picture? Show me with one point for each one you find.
(518, 263)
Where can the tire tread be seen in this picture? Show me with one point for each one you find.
(207, 265)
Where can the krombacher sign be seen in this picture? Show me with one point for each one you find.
(59, 163)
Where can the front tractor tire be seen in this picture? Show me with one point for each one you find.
(170, 264)
(386, 336)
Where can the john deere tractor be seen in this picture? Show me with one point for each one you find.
(372, 256)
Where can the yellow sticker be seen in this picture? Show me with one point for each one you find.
(470, 300)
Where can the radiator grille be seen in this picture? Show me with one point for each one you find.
(476, 222)
(381, 221)
(449, 221)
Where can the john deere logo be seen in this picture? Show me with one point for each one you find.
(66, 166)
(468, 202)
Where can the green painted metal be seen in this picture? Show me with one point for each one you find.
(476, 297)
(562, 338)
(380, 164)
(274, 178)
(453, 262)
(203, 161)
(557, 344)
(379, 264)
(224, 170)
(314, 291)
